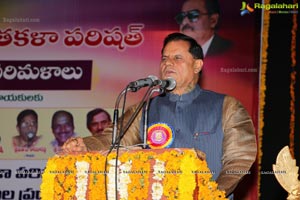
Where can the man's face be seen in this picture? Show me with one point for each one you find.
(28, 127)
(98, 124)
(178, 63)
(63, 128)
(203, 27)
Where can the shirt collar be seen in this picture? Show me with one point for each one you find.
(206, 45)
(188, 97)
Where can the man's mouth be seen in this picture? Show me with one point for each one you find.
(168, 73)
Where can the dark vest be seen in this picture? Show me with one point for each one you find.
(196, 121)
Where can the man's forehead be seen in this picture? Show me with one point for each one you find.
(176, 46)
(29, 117)
(100, 117)
(193, 4)
(62, 119)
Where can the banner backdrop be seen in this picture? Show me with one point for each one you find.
(79, 55)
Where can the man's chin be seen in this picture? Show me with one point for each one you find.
(190, 33)
(64, 137)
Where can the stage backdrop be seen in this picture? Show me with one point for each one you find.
(79, 55)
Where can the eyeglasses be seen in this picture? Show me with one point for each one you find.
(192, 15)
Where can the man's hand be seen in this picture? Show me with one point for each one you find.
(74, 146)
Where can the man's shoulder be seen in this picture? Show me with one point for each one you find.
(212, 93)
(97, 143)
(15, 137)
(219, 45)
(219, 40)
(224, 96)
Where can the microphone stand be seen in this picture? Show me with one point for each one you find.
(116, 113)
(114, 134)
(133, 116)
(116, 141)
(150, 91)
(123, 131)
(145, 126)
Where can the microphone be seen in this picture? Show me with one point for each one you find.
(167, 84)
(149, 81)
(30, 136)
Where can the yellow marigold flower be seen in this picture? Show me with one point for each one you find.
(143, 173)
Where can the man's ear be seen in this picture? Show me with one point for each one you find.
(198, 65)
(214, 18)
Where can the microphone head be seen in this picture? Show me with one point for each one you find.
(149, 81)
(171, 83)
(153, 78)
(30, 135)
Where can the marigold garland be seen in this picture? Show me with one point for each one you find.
(82, 168)
(96, 177)
(293, 82)
(265, 34)
(262, 87)
(136, 178)
(171, 190)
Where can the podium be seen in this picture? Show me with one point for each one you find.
(132, 174)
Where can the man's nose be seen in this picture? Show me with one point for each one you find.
(168, 61)
(184, 21)
(100, 126)
(31, 126)
(64, 128)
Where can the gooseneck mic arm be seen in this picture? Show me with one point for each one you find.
(131, 119)
(133, 87)
(162, 86)
(116, 114)
(151, 81)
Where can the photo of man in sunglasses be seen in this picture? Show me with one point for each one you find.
(199, 19)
